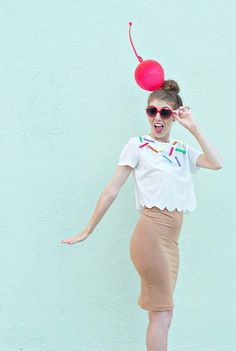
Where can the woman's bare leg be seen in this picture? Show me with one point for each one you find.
(157, 331)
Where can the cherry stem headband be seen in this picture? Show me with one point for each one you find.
(131, 41)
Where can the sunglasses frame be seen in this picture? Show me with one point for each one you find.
(159, 110)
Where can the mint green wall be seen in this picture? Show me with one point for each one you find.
(68, 104)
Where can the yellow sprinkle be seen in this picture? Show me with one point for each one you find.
(161, 148)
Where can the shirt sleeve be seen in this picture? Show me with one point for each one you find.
(193, 154)
(129, 154)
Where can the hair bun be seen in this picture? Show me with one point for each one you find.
(171, 85)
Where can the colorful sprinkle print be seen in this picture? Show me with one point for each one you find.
(167, 158)
(143, 145)
(152, 148)
(177, 160)
(181, 150)
(152, 141)
(172, 149)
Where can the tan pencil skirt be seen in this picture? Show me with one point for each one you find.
(154, 252)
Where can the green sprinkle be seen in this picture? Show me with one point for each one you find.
(181, 150)
(141, 139)
(167, 158)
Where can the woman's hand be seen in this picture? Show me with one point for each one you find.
(76, 238)
(184, 116)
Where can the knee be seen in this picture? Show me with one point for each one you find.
(162, 318)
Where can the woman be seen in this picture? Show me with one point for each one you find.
(164, 192)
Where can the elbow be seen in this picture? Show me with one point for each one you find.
(219, 166)
(110, 193)
(220, 163)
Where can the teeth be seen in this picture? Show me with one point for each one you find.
(157, 124)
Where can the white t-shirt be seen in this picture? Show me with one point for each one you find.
(162, 179)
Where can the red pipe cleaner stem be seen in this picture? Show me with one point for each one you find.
(138, 57)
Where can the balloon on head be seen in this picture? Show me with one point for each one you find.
(149, 74)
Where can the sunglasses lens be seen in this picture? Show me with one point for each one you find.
(165, 112)
(151, 111)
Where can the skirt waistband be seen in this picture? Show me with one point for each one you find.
(155, 210)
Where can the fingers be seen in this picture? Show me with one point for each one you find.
(66, 241)
(69, 240)
(184, 108)
(180, 111)
(176, 112)
(73, 240)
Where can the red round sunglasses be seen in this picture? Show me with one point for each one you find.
(165, 112)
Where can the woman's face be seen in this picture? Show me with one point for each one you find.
(163, 133)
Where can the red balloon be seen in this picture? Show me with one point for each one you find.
(149, 74)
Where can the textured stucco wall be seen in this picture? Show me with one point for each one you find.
(68, 104)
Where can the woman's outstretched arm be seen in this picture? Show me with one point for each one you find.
(105, 200)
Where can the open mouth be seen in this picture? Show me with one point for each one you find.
(158, 127)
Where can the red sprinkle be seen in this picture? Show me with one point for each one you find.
(171, 150)
(143, 145)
